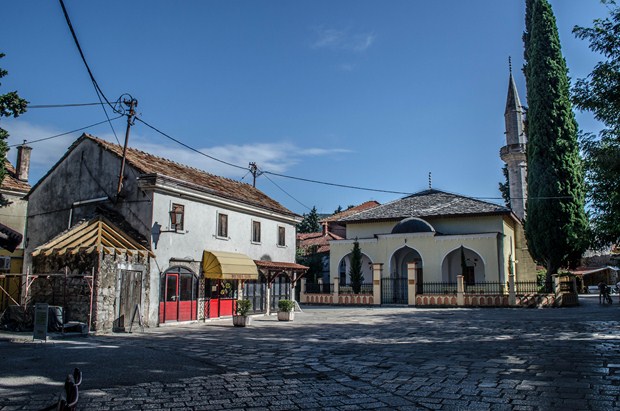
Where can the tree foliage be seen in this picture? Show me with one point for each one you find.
(11, 105)
(313, 260)
(504, 188)
(310, 223)
(556, 222)
(355, 270)
(599, 93)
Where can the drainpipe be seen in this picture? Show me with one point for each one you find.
(79, 203)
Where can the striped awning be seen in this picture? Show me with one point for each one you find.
(222, 265)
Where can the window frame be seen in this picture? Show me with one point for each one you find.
(218, 226)
(255, 224)
(281, 241)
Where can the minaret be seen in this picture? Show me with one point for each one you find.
(513, 153)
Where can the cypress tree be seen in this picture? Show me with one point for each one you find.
(355, 271)
(556, 222)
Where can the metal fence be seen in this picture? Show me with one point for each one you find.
(394, 290)
(534, 287)
(487, 287)
(366, 288)
(441, 288)
(315, 288)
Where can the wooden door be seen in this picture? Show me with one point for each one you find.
(130, 297)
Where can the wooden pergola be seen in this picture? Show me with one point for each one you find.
(273, 269)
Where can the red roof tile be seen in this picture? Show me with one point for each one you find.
(364, 206)
(307, 240)
(11, 182)
(149, 164)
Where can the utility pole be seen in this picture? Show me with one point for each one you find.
(132, 103)
(254, 171)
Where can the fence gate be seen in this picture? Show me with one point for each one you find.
(394, 290)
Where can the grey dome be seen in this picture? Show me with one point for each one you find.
(412, 225)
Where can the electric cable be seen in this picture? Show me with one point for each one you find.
(64, 134)
(98, 90)
(63, 105)
(285, 192)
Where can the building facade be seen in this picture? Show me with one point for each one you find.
(178, 213)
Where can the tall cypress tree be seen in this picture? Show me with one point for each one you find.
(556, 222)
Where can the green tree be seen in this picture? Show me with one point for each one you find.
(599, 93)
(556, 223)
(355, 270)
(313, 260)
(310, 223)
(338, 210)
(504, 187)
(11, 105)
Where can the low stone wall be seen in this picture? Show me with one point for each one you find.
(341, 299)
(436, 300)
(355, 299)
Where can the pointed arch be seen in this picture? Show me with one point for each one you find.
(475, 270)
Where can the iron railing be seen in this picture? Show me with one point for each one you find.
(534, 287)
(394, 290)
(366, 288)
(437, 288)
(315, 288)
(487, 287)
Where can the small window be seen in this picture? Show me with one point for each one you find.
(281, 236)
(222, 225)
(256, 231)
(177, 217)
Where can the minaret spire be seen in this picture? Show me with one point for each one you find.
(513, 153)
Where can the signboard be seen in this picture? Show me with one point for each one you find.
(40, 322)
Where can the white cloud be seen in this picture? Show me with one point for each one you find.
(342, 40)
(277, 157)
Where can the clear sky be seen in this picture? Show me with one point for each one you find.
(365, 93)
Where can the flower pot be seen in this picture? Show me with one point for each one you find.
(241, 320)
(286, 315)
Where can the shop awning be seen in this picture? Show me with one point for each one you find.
(221, 265)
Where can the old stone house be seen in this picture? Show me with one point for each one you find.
(12, 226)
(210, 239)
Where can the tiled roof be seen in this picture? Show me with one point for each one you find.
(11, 182)
(307, 240)
(339, 216)
(276, 265)
(149, 164)
(428, 203)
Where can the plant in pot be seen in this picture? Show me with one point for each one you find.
(285, 310)
(241, 319)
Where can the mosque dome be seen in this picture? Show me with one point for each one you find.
(412, 225)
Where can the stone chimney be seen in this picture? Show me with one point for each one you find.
(22, 167)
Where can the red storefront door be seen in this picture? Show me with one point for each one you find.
(171, 298)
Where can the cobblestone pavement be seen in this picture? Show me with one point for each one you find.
(336, 359)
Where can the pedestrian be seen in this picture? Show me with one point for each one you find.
(601, 291)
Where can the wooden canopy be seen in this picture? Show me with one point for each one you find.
(96, 235)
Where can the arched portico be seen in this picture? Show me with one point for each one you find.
(394, 284)
(344, 266)
(465, 261)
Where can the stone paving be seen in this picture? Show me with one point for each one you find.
(334, 358)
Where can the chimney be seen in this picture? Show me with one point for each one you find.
(23, 162)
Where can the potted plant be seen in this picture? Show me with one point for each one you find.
(241, 319)
(285, 310)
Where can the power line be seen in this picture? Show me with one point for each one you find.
(68, 132)
(98, 90)
(189, 147)
(63, 105)
(336, 184)
(285, 192)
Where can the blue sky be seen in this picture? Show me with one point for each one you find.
(364, 93)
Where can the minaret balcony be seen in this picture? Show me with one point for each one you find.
(512, 149)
